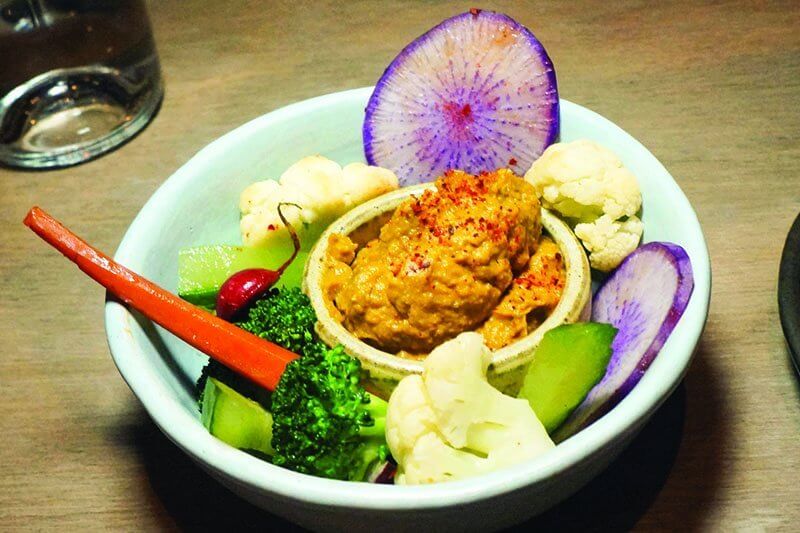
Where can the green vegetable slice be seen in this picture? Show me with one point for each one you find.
(569, 361)
(203, 269)
(235, 419)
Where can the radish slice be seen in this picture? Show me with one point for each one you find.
(643, 298)
(383, 473)
(476, 93)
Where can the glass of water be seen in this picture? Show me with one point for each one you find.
(77, 79)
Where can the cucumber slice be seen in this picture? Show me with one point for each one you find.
(236, 420)
(570, 360)
(203, 269)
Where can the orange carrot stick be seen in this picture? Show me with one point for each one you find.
(257, 359)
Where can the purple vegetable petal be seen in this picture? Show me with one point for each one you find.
(644, 298)
(383, 473)
(477, 92)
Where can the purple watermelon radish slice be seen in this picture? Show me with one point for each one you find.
(476, 93)
(643, 298)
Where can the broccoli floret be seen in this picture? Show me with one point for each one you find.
(324, 422)
(284, 317)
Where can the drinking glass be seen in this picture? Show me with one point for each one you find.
(77, 79)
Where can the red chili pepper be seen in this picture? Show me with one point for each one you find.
(243, 288)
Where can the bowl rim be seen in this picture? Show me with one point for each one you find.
(571, 306)
(186, 432)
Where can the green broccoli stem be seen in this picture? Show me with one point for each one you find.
(377, 410)
(373, 450)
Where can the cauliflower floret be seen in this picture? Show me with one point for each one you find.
(608, 241)
(321, 187)
(361, 182)
(315, 182)
(434, 461)
(415, 442)
(408, 417)
(584, 182)
(450, 423)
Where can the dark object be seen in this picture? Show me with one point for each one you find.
(237, 382)
(383, 473)
(789, 292)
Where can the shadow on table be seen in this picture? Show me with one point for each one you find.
(617, 498)
(669, 477)
(614, 501)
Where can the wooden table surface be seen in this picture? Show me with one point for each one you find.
(711, 88)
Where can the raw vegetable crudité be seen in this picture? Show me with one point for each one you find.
(644, 298)
(569, 361)
(324, 423)
(203, 269)
(476, 94)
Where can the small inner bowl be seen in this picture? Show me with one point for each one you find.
(385, 369)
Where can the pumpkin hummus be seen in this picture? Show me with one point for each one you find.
(448, 261)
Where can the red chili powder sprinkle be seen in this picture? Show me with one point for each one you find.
(455, 190)
(533, 279)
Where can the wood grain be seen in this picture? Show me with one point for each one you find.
(712, 88)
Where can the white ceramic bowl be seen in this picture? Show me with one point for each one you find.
(198, 205)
